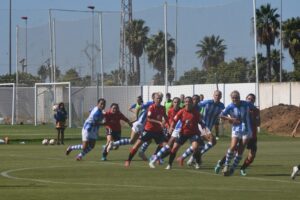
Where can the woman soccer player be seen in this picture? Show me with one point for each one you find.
(113, 126)
(89, 130)
(238, 114)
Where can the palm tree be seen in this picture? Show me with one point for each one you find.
(136, 38)
(291, 40)
(211, 51)
(275, 59)
(267, 26)
(156, 53)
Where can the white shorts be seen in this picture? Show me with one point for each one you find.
(176, 133)
(241, 135)
(86, 135)
(138, 127)
(204, 131)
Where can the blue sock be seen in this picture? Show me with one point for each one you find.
(84, 152)
(236, 161)
(207, 146)
(229, 156)
(187, 152)
(162, 151)
(76, 147)
(144, 147)
(121, 142)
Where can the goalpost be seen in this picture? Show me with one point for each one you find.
(48, 94)
(13, 102)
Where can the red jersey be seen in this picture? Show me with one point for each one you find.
(190, 120)
(157, 113)
(255, 121)
(171, 114)
(113, 120)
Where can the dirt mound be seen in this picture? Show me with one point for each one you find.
(281, 119)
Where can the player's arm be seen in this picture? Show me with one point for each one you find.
(132, 108)
(125, 119)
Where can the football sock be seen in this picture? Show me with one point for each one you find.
(229, 156)
(85, 151)
(163, 151)
(121, 142)
(236, 161)
(187, 152)
(144, 147)
(206, 147)
(131, 154)
(76, 147)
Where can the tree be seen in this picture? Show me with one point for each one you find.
(136, 39)
(211, 51)
(275, 60)
(193, 76)
(291, 41)
(43, 72)
(72, 76)
(156, 53)
(267, 25)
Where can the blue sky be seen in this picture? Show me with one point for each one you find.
(37, 12)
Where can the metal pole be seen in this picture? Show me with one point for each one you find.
(13, 104)
(35, 102)
(9, 37)
(255, 51)
(70, 106)
(51, 43)
(93, 43)
(26, 47)
(176, 30)
(166, 48)
(17, 73)
(280, 73)
(101, 55)
(54, 52)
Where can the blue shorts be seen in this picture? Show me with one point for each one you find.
(158, 137)
(183, 138)
(116, 135)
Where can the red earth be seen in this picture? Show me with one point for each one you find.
(281, 119)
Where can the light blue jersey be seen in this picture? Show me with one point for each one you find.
(92, 123)
(240, 112)
(211, 112)
(143, 115)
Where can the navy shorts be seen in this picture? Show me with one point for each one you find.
(116, 135)
(183, 138)
(158, 137)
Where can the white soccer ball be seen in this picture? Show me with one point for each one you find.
(45, 141)
(54, 107)
(52, 142)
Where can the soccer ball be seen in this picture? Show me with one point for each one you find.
(54, 107)
(45, 141)
(52, 142)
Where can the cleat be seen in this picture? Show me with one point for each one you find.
(151, 165)
(79, 158)
(68, 151)
(190, 162)
(143, 156)
(127, 163)
(294, 172)
(180, 161)
(160, 161)
(225, 171)
(197, 166)
(243, 172)
(104, 159)
(169, 167)
(110, 146)
(217, 169)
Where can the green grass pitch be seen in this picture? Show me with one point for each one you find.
(35, 171)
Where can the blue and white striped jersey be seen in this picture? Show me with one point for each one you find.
(240, 112)
(143, 115)
(211, 112)
(92, 123)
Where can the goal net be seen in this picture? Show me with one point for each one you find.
(46, 96)
(7, 99)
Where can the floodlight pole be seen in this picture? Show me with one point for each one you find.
(101, 57)
(166, 47)
(25, 18)
(280, 73)
(255, 51)
(93, 43)
(9, 60)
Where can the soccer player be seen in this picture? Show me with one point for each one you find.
(190, 118)
(168, 103)
(211, 111)
(153, 127)
(238, 114)
(295, 171)
(90, 130)
(252, 143)
(113, 126)
(137, 128)
(61, 116)
(136, 106)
